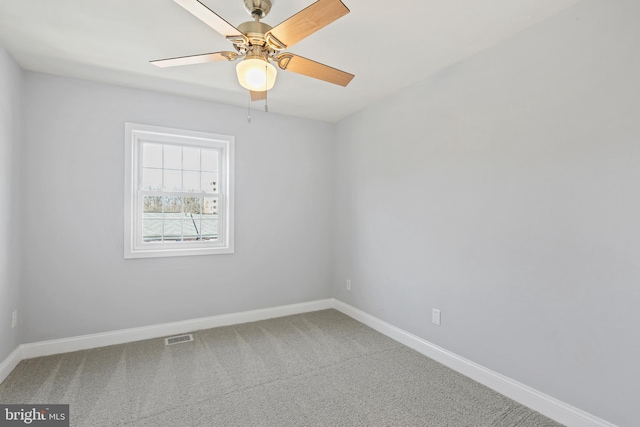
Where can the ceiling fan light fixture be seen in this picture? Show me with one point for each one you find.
(256, 74)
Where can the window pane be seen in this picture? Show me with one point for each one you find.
(191, 181)
(172, 157)
(151, 230)
(152, 155)
(209, 230)
(191, 229)
(151, 179)
(210, 160)
(190, 159)
(172, 180)
(209, 182)
(210, 207)
(173, 230)
(152, 204)
(172, 205)
(191, 224)
(192, 206)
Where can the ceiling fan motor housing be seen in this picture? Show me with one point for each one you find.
(255, 31)
(257, 8)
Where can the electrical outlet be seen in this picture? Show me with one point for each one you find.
(435, 316)
(348, 284)
(14, 318)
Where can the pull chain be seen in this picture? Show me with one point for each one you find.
(266, 92)
(249, 109)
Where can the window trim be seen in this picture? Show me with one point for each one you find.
(135, 134)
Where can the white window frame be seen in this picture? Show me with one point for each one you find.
(134, 247)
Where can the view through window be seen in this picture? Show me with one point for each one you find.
(171, 175)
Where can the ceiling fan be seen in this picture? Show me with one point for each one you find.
(259, 44)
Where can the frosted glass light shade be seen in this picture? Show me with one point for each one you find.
(256, 74)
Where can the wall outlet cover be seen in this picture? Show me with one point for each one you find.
(435, 316)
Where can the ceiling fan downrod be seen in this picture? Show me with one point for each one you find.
(258, 9)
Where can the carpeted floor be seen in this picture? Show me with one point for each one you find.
(314, 369)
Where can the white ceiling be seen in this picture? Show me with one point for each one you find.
(387, 44)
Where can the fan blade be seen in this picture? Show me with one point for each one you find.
(210, 18)
(309, 68)
(258, 96)
(306, 22)
(195, 59)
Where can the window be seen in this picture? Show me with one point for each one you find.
(178, 192)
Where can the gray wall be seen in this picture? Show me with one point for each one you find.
(10, 239)
(76, 280)
(505, 192)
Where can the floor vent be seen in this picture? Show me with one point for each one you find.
(179, 339)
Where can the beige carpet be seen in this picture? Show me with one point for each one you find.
(313, 369)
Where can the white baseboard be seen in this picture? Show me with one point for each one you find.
(84, 342)
(540, 402)
(10, 363)
(546, 405)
